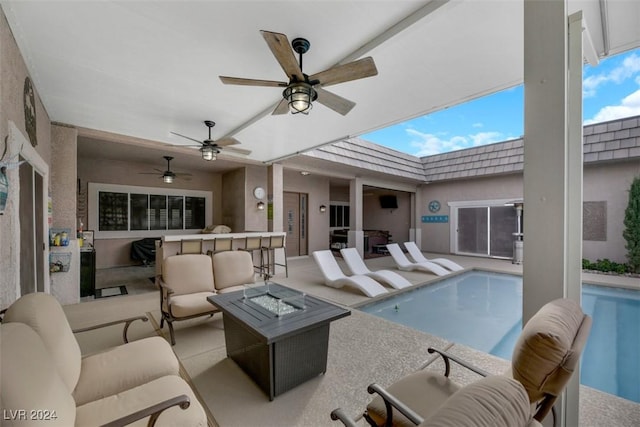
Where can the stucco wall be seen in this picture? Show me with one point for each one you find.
(436, 236)
(609, 182)
(13, 72)
(255, 219)
(340, 194)
(116, 252)
(233, 194)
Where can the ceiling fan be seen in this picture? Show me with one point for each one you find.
(210, 148)
(169, 176)
(302, 89)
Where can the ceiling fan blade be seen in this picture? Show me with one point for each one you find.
(251, 82)
(281, 108)
(281, 49)
(242, 151)
(223, 142)
(359, 69)
(187, 137)
(333, 101)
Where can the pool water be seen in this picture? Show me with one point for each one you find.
(483, 310)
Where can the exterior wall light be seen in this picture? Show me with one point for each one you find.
(323, 208)
(260, 206)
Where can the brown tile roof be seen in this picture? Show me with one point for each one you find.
(607, 141)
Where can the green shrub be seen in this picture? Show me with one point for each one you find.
(631, 231)
(606, 266)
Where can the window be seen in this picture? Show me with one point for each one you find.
(114, 211)
(127, 211)
(338, 216)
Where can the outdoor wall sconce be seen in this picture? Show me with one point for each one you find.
(323, 208)
(260, 206)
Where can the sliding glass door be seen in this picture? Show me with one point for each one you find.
(485, 230)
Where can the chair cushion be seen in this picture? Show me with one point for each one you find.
(188, 274)
(30, 380)
(123, 367)
(221, 229)
(424, 392)
(113, 407)
(44, 314)
(191, 304)
(544, 357)
(494, 401)
(233, 268)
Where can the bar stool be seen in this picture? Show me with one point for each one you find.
(275, 242)
(252, 244)
(221, 244)
(190, 246)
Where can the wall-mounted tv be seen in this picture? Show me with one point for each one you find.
(388, 202)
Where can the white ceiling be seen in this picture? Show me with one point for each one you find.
(144, 69)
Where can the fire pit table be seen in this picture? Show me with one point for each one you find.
(277, 335)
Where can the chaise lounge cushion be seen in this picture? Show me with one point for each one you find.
(104, 410)
(232, 270)
(98, 375)
(545, 355)
(30, 379)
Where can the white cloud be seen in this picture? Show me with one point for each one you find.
(477, 125)
(629, 67)
(427, 144)
(630, 106)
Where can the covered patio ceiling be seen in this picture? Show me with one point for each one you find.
(146, 69)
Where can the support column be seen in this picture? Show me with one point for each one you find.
(275, 198)
(356, 234)
(552, 178)
(415, 232)
(275, 205)
(574, 201)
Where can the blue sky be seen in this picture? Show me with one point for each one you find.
(611, 90)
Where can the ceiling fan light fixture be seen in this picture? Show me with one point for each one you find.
(300, 96)
(208, 153)
(168, 178)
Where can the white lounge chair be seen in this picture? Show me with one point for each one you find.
(417, 256)
(334, 277)
(357, 266)
(403, 263)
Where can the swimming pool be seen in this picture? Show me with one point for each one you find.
(483, 310)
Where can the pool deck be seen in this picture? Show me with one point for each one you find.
(363, 349)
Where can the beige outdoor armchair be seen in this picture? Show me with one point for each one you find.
(544, 359)
(44, 371)
(185, 284)
(495, 401)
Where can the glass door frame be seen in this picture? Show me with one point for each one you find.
(19, 145)
(454, 217)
